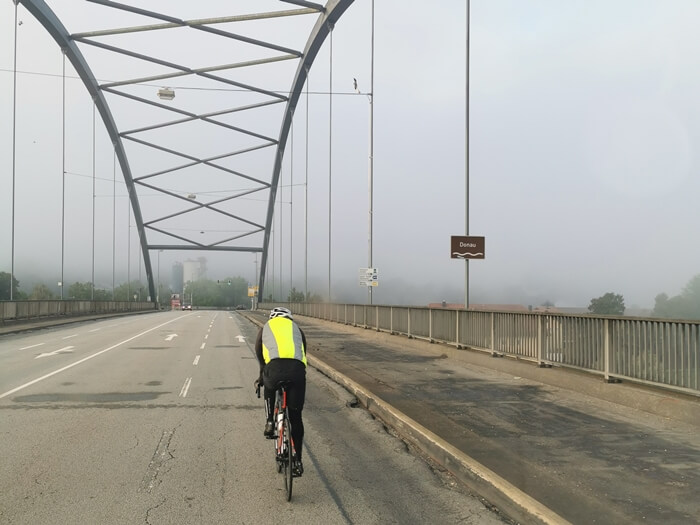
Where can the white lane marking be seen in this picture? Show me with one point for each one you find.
(25, 385)
(64, 350)
(94, 330)
(33, 346)
(185, 387)
(196, 361)
(203, 345)
(206, 336)
(241, 339)
(171, 337)
(69, 336)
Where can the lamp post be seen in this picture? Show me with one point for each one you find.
(158, 294)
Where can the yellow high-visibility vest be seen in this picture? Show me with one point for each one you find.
(282, 339)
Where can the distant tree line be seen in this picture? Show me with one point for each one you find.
(686, 305)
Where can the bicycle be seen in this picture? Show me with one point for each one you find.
(284, 444)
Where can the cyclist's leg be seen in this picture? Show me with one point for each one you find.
(296, 392)
(270, 379)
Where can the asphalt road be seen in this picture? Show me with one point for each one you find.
(153, 419)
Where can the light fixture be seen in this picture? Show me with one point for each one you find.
(166, 94)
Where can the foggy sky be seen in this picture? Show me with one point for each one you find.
(583, 159)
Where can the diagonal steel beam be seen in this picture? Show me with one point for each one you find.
(206, 28)
(196, 117)
(198, 206)
(190, 115)
(211, 164)
(311, 5)
(197, 22)
(166, 76)
(207, 161)
(178, 67)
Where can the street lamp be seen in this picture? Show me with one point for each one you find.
(166, 94)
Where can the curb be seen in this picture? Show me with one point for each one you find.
(509, 499)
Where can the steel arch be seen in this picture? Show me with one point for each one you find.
(328, 16)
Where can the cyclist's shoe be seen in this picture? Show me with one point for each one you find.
(269, 431)
(297, 468)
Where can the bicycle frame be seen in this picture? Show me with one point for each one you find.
(281, 418)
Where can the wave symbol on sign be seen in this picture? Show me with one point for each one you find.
(463, 255)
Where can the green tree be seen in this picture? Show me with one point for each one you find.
(81, 291)
(126, 292)
(608, 304)
(103, 295)
(295, 297)
(683, 306)
(5, 287)
(41, 292)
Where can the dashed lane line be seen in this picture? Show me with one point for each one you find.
(185, 387)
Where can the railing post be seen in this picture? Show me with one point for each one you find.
(376, 318)
(540, 342)
(430, 324)
(457, 329)
(606, 346)
(409, 324)
(493, 333)
(391, 320)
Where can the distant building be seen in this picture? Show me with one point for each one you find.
(176, 278)
(191, 271)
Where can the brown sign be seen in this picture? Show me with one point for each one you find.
(467, 247)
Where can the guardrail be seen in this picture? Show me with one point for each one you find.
(11, 311)
(659, 352)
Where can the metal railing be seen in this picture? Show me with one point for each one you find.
(11, 311)
(659, 352)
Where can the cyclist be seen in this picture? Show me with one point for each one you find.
(281, 351)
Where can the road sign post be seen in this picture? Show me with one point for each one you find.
(368, 277)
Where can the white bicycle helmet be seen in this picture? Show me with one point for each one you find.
(279, 311)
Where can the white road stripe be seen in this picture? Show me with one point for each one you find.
(94, 330)
(33, 346)
(206, 336)
(203, 345)
(65, 349)
(22, 387)
(196, 360)
(69, 336)
(185, 387)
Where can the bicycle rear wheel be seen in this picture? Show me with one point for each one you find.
(288, 476)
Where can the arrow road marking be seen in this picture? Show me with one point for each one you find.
(171, 337)
(241, 339)
(64, 350)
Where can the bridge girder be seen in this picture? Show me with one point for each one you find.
(328, 16)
